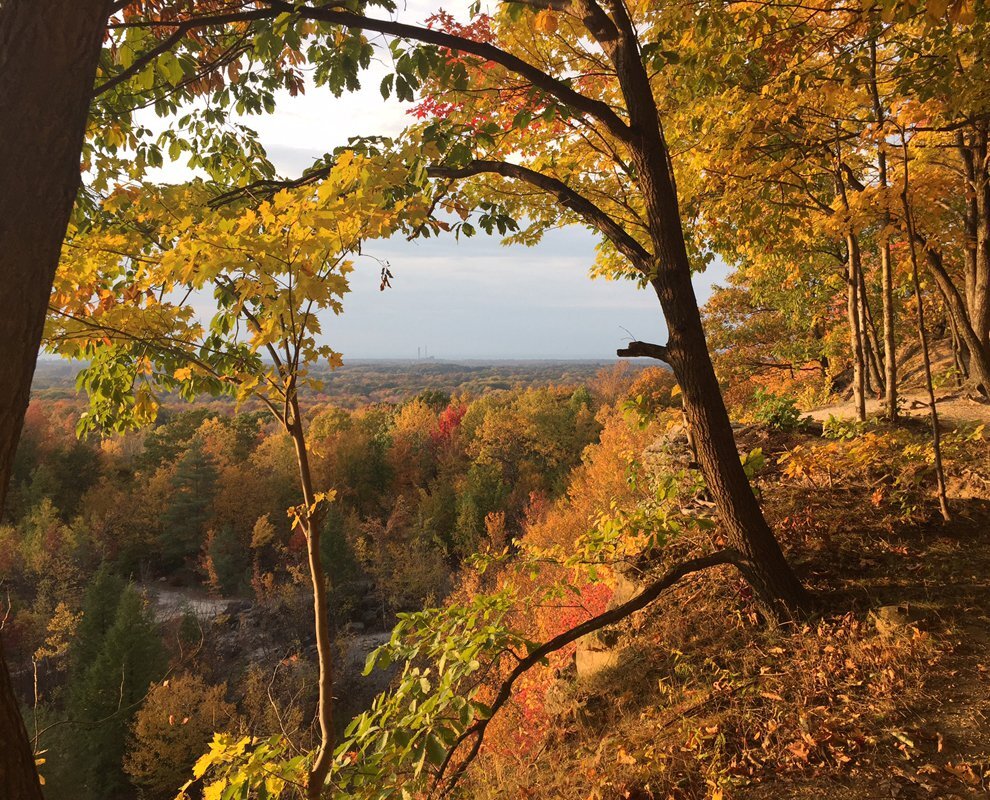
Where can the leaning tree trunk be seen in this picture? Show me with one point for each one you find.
(687, 349)
(738, 509)
(48, 55)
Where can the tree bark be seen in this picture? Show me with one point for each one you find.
(18, 775)
(48, 55)
(321, 612)
(742, 519)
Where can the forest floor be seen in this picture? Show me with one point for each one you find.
(885, 694)
(936, 577)
(938, 574)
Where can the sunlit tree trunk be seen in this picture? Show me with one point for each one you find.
(853, 266)
(886, 264)
(871, 341)
(740, 513)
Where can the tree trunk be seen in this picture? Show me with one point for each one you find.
(855, 333)
(775, 584)
(889, 333)
(18, 776)
(871, 342)
(738, 510)
(979, 354)
(886, 265)
(321, 612)
(976, 256)
(48, 55)
(977, 225)
(943, 501)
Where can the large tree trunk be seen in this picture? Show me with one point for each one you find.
(48, 55)
(18, 776)
(739, 512)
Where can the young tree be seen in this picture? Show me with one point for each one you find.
(275, 269)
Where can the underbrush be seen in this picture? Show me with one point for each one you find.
(704, 701)
(708, 701)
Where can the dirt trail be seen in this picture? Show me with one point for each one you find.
(954, 408)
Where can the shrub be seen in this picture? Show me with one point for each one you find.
(776, 411)
(171, 730)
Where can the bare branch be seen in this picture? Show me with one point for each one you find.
(644, 350)
(617, 614)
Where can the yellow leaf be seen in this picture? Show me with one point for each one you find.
(182, 374)
(545, 22)
(203, 764)
(215, 790)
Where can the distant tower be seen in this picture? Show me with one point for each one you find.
(418, 356)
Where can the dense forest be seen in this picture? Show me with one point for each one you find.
(236, 564)
(167, 555)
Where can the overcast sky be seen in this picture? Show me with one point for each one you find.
(469, 299)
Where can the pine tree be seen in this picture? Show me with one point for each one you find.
(184, 522)
(107, 692)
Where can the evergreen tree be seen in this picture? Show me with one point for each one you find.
(99, 609)
(185, 519)
(106, 694)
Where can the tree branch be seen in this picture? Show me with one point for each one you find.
(181, 29)
(568, 197)
(552, 86)
(644, 350)
(617, 614)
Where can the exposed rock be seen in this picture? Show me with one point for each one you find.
(890, 619)
(590, 662)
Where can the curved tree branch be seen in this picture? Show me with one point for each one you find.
(566, 196)
(552, 86)
(476, 732)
